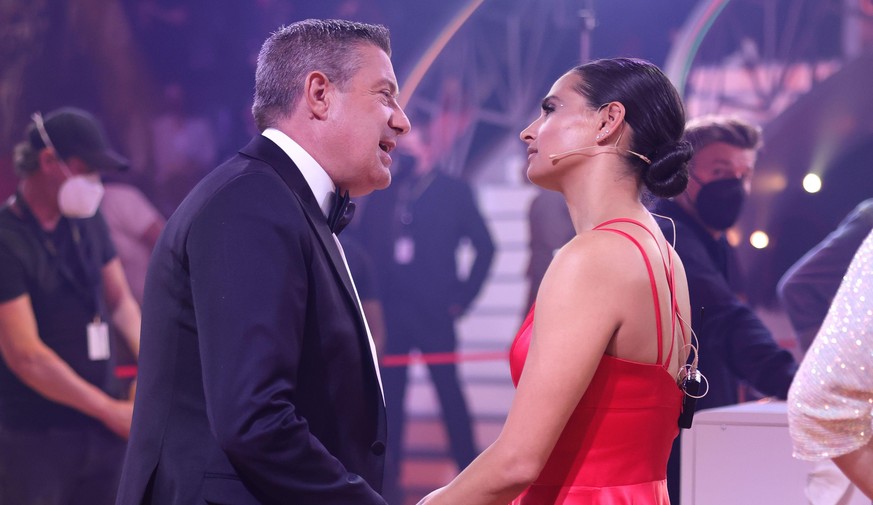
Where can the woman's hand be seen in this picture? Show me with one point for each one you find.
(432, 497)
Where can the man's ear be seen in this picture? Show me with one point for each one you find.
(316, 90)
(46, 157)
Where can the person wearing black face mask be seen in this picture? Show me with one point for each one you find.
(736, 347)
(719, 202)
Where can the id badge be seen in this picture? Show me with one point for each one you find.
(404, 250)
(98, 341)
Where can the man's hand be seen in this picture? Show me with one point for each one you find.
(117, 417)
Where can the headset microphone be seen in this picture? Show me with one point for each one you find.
(616, 150)
(560, 156)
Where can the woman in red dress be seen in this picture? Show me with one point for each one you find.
(598, 359)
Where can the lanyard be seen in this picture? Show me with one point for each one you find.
(407, 195)
(89, 292)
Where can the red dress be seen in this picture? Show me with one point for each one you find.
(615, 445)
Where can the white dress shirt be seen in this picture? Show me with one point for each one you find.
(322, 188)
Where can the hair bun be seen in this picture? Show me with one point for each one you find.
(667, 176)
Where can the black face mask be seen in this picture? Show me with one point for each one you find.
(719, 202)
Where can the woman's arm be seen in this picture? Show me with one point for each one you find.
(858, 467)
(578, 312)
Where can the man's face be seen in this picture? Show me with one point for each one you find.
(56, 171)
(367, 121)
(720, 161)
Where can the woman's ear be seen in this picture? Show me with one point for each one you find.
(610, 117)
(316, 94)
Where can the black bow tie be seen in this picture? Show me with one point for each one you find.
(341, 212)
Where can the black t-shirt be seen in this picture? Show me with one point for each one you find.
(61, 272)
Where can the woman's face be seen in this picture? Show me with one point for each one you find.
(566, 122)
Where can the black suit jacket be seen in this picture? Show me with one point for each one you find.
(256, 383)
(734, 343)
(443, 214)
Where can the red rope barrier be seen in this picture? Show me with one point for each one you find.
(440, 358)
(125, 371)
(391, 360)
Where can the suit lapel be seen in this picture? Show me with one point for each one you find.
(265, 150)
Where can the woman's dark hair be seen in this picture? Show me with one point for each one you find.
(652, 108)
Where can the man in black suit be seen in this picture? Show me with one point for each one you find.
(258, 381)
(414, 231)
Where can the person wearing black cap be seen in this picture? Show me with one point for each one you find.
(63, 424)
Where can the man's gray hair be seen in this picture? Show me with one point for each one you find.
(293, 51)
(706, 130)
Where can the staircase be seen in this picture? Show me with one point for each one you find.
(489, 326)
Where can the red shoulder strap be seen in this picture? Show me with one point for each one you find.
(669, 272)
(651, 281)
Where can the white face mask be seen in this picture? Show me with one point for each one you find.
(80, 196)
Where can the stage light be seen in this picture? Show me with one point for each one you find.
(759, 239)
(812, 183)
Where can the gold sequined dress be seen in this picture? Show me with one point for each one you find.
(830, 403)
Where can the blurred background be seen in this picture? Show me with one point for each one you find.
(172, 81)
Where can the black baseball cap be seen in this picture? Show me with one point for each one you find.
(75, 132)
